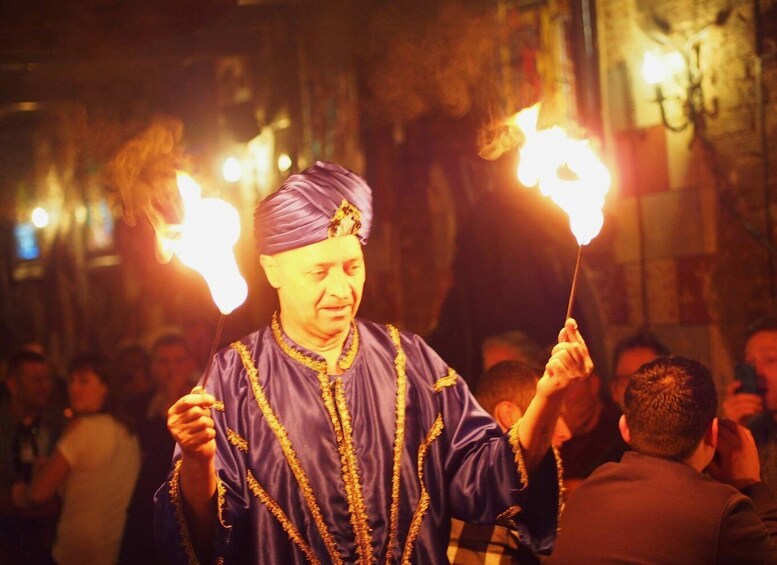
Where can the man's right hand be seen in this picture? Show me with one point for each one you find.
(736, 456)
(191, 425)
(742, 406)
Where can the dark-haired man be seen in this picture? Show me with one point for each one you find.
(657, 505)
(325, 438)
(29, 428)
(628, 355)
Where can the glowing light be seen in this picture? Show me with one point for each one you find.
(232, 170)
(653, 69)
(567, 171)
(284, 162)
(40, 218)
(204, 241)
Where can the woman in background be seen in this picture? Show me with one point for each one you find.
(94, 467)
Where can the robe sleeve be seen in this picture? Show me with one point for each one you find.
(486, 476)
(173, 541)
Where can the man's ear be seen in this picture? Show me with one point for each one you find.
(711, 436)
(506, 413)
(270, 266)
(624, 428)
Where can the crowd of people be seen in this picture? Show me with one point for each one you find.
(326, 438)
(82, 455)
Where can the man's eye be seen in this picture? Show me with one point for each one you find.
(352, 269)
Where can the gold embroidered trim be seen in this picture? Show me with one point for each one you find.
(519, 462)
(288, 451)
(183, 530)
(350, 470)
(399, 440)
(562, 489)
(219, 405)
(221, 501)
(345, 361)
(446, 381)
(345, 221)
(275, 509)
(359, 513)
(506, 517)
(423, 501)
(235, 439)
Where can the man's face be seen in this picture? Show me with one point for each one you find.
(172, 366)
(628, 363)
(319, 287)
(32, 388)
(761, 352)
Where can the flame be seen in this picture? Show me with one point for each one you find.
(204, 242)
(581, 191)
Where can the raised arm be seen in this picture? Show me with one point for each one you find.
(569, 363)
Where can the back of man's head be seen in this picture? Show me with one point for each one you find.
(669, 405)
(514, 381)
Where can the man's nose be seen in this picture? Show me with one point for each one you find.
(338, 283)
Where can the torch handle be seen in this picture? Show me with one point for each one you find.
(574, 283)
(216, 340)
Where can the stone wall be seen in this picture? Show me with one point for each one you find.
(690, 244)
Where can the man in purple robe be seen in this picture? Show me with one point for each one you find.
(324, 438)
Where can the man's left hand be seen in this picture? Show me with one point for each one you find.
(569, 361)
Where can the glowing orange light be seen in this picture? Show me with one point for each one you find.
(580, 192)
(204, 242)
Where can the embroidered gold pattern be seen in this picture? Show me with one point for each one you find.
(175, 498)
(562, 489)
(446, 381)
(275, 509)
(288, 451)
(519, 462)
(350, 472)
(219, 405)
(423, 501)
(399, 440)
(506, 517)
(319, 366)
(238, 441)
(345, 221)
(221, 501)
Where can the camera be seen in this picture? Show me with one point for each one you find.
(745, 374)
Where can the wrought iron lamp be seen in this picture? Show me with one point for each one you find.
(687, 77)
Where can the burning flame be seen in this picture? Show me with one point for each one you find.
(204, 242)
(566, 170)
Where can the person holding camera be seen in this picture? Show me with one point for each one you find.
(689, 491)
(751, 399)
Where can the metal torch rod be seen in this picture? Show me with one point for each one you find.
(216, 340)
(574, 283)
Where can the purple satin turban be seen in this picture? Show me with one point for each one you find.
(321, 202)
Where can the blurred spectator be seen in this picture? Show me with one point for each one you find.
(94, 465)
(29, 428)
(628, 355)
(199, 334)
(174, 373)
(504, 391)
(135, 369)
(593, 422)
(657, 505)
(511, 346)
(758, 408)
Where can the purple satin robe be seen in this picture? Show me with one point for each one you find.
(366, 466)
